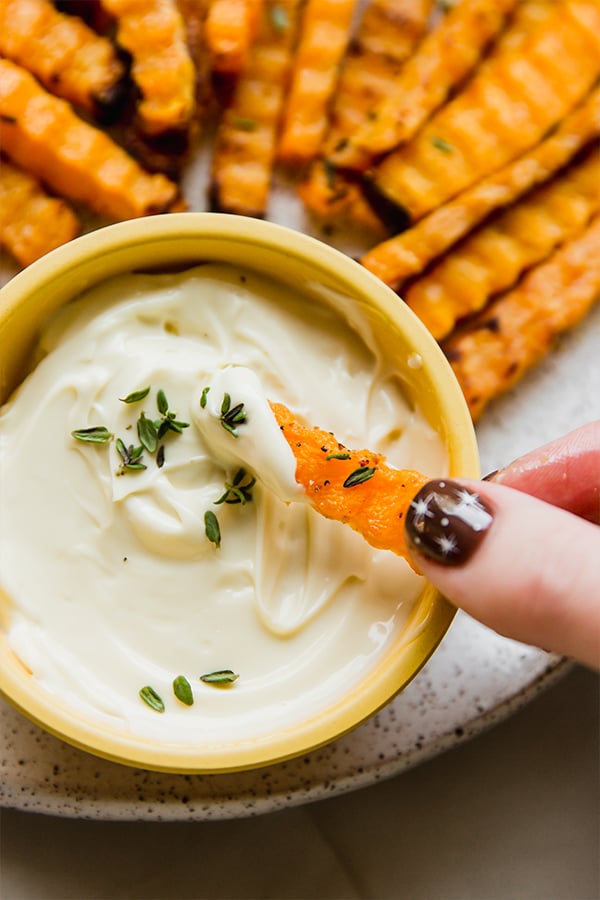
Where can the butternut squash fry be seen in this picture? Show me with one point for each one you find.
(153, 32)
(409, 253)
(374, 505)
(492, 259)
(388, 34)
(519, 328)
(444, 58)
(69, 58)
(324, 36)
(42, 134)
(244, 148)
(503, 111)
(230, 29)
(31, 222)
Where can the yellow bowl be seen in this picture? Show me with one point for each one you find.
(174, 242)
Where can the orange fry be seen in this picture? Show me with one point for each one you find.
(69, 58)
(387, 35)
(512, 334)
(505, 109)
(492, 259)
(153, 32)
(42, 134)
(442, 60)
(244, 149)
(325, 33)
(31, 222)
(355, 487)
(409, 253)
(230, 29)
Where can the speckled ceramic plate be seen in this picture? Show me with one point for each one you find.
(473, 680)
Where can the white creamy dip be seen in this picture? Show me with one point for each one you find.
(111, 579)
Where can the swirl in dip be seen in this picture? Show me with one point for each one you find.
(109, 578)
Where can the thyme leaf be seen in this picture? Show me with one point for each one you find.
(183, 690)
(130, 457)
(241, 123)
(96, 434)
(147, 433)
(161, 402)
(237, 491)
(204, 397)
(231, 415)
(442, 145)
(154, 700)
(135, 396)
(337, 456)
(279, 18)
(359, 476)
(211, 528)
(222, 676)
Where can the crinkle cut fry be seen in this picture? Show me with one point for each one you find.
(42, 134)
(443, 59)
(506, 108)
(324, 36)
(70, 59)
(375, 507)
(244, 149)
(492, 259)
(388, 32)
(31, 222)
(230, 29)
(518, 329)
(153, 32)
(409, 253)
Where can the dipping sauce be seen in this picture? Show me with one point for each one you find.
(112, 581)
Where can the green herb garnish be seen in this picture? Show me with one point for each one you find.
(359, 476)
(135, 396)
(204, 396)
(442, 145)
(222, 676)
(97, 434)
(154, 700)
(9, 120)
(147, 433)
(168, 420)
(231, 415)
(239, 491)
(183, 690)
(338, 456)
(244, 124)
(280, 19)
(160, 456)
(211, 528)
(131, 458)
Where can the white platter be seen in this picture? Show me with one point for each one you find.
(473, 680)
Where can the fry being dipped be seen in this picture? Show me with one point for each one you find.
(356, 487)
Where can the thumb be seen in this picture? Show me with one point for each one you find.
(524, 567)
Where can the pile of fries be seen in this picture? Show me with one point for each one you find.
(461, 137)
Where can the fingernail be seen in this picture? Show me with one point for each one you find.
(446, 522)
(490, 475)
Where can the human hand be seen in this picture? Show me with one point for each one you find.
(520, 552)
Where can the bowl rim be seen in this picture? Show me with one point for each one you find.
(340, 717)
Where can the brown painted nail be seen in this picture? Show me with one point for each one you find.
(446, 521)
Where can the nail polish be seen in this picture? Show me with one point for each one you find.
(447, 521)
